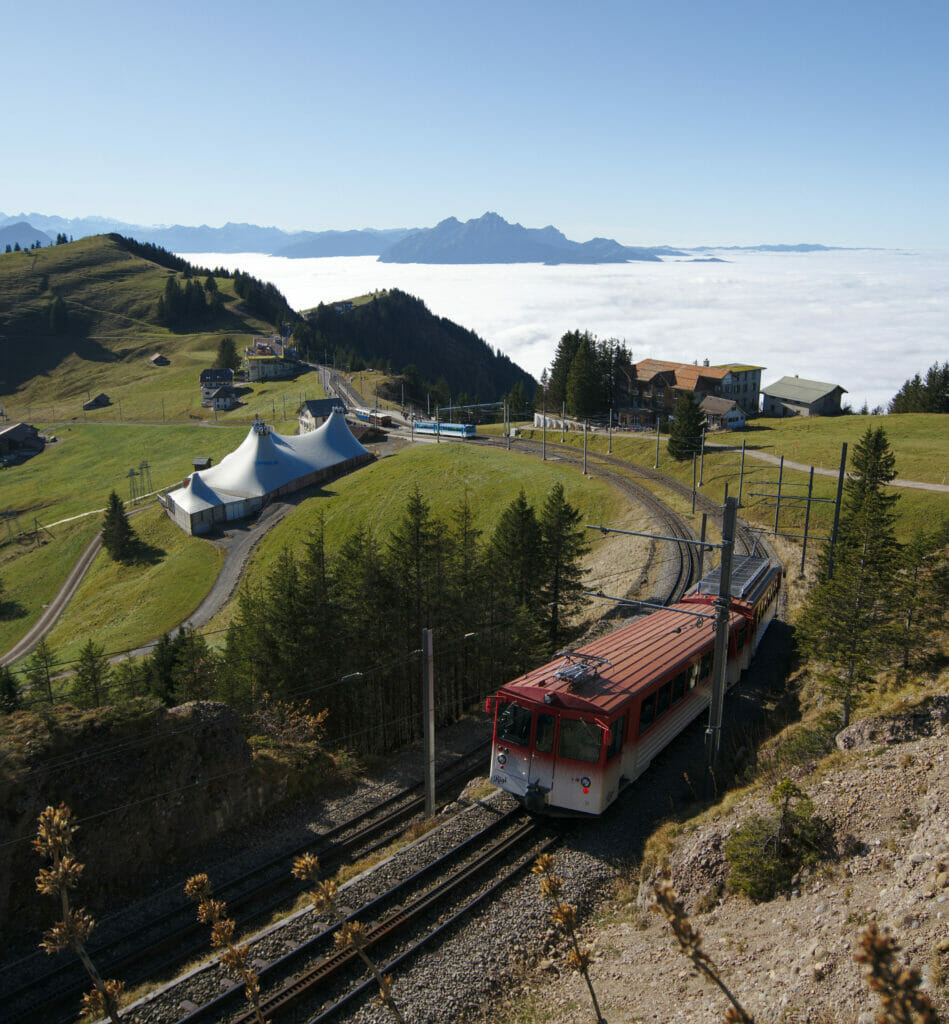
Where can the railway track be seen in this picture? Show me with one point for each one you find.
(163, 944)
(319, 981)
(684, 571)
(747, 540)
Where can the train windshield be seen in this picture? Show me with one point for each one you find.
(579, 740)
(514, 724)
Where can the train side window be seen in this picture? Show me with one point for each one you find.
(705, 669)
(647, 713)
(514, 725)
(663, 698)
(579, 740)
(694, 674)
(616, 737)
(544, 740)
(678, 687)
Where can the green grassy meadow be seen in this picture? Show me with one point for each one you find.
(111, 296)
(375, 497)
(919, 442)
(123, 606)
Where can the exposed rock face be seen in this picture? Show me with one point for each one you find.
(193, 757)
(928, 719)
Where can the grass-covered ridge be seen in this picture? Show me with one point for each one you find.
(111, 327)
(126, 605)
(375, 497)
(920, 443)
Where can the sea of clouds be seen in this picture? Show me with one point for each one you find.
(864, 319)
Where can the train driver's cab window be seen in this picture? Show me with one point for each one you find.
(647, 713)
(579, 740)
(544, 740)
(514, 725)
(615, 741)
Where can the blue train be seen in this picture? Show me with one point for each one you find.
(461, 430)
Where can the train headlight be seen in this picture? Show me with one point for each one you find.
(585, 782)
(502, 759)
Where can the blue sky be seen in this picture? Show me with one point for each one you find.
(681, 123)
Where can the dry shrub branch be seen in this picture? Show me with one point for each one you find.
(564, 916)
(54, 842)
(306, 867)
(234, 958)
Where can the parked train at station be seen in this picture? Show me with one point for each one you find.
(450, 430)
(374, 416)
(571, 734)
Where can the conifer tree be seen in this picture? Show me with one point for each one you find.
(564, 543)
(516, 553)
(685, 431)
(40, 667)
(10, 699)
(91, 680)
(117, 534)
(227, 355)
(584, 390)
(848, 622)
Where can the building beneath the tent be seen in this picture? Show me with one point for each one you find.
(266, 465)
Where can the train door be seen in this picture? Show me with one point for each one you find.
(540, 770)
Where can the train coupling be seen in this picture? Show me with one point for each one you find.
(535, 798)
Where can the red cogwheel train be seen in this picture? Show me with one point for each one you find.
(571, 734)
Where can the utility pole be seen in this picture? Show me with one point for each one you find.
(507, 420)
(720, 658)
(693, 483)
(584, 447)
(777, 504)
(563, 422)
(609, 433)
(702, 544)
(657, 442)
(807, 518)
(840, 489)
(741, 472)
(543, 424)
(428, 704)
(702, 461)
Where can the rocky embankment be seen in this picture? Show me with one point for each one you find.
(192, 756)
(885, 794)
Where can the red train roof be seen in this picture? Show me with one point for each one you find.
(635, 656)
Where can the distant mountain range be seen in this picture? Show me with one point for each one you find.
(486, 239)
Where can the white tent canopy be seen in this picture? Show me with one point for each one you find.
(264, 464)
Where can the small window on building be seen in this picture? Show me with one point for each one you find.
(616, 737)
(544, 740)
(663, 699)
(579, 740)
(647, 713)
(514, 725)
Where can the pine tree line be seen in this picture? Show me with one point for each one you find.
(876, 605)
(338, 629)
(586, 374)
(929, 394)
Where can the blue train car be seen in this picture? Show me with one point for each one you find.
(460, 430)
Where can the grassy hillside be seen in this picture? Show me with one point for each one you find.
(73, 478)
(920, 443)
(375, 497)
(111, 328)
(123, 606)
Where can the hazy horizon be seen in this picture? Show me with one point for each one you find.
(865, 319)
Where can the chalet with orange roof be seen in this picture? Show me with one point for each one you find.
(653, 387)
